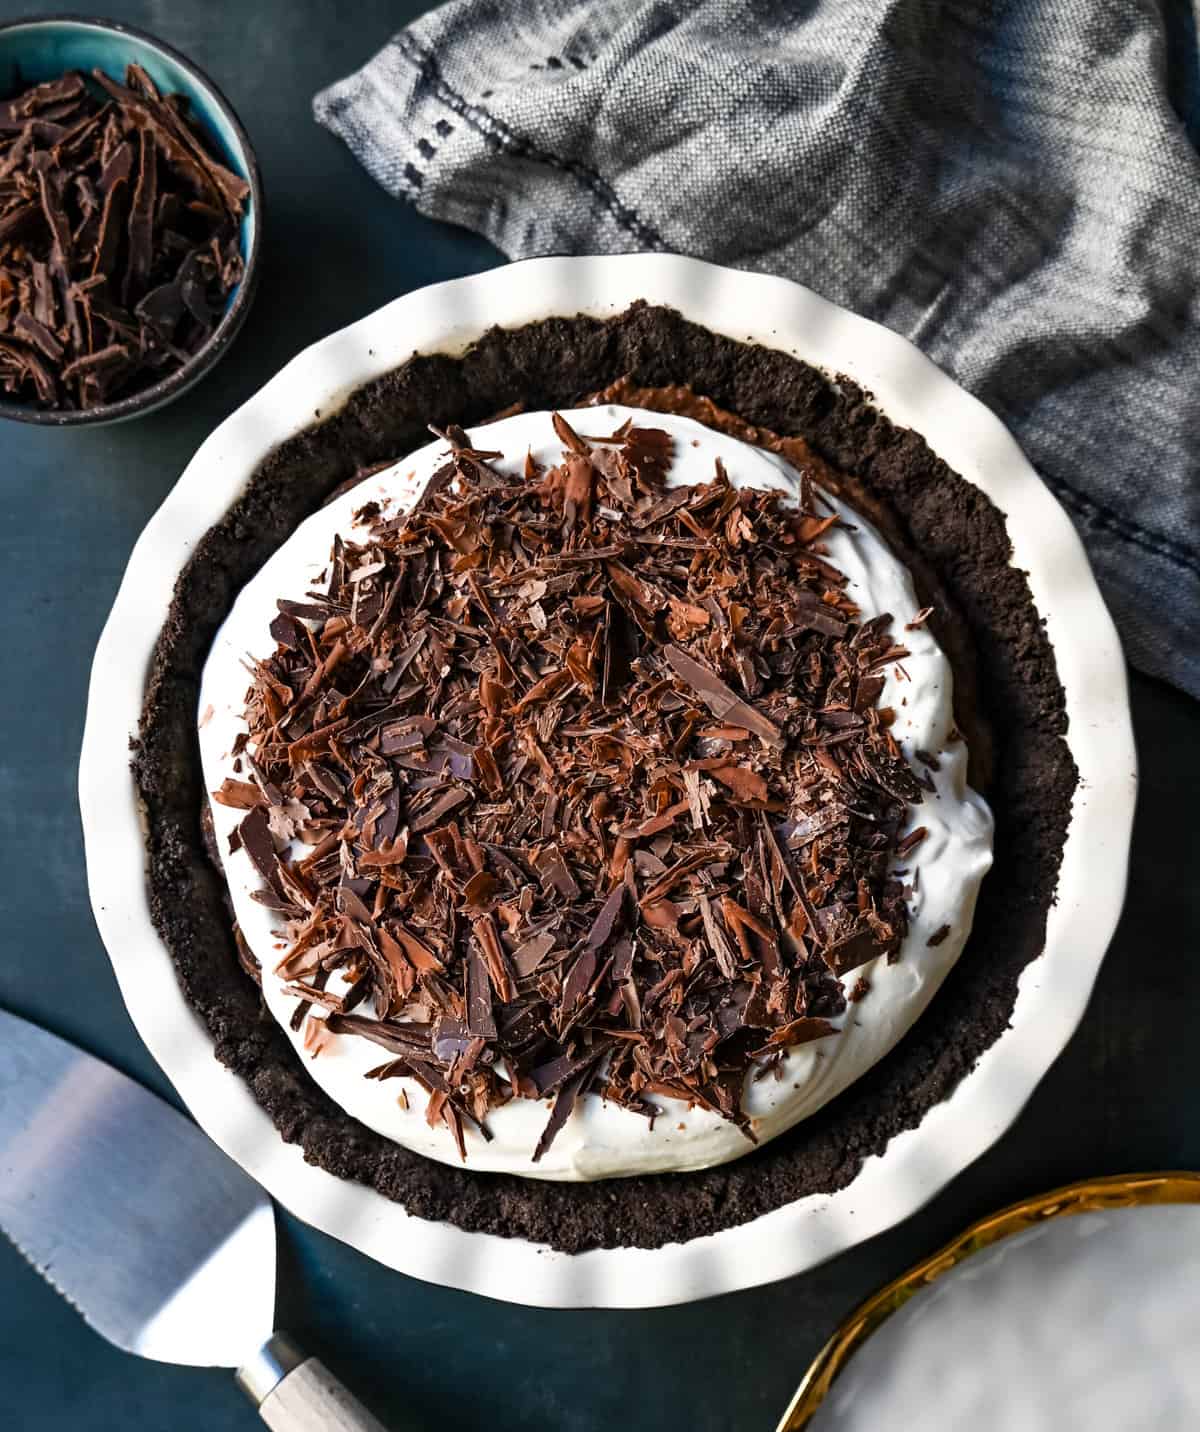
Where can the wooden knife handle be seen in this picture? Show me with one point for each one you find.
(295, 1393)
(311, 1399)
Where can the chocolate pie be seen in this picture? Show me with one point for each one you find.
(601, 787)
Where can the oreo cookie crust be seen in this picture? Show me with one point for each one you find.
(950, 526)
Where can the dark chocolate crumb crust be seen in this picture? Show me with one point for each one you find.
(555, 364)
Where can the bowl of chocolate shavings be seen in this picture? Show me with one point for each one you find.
(130, 222)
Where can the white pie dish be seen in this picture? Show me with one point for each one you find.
(1053, 990)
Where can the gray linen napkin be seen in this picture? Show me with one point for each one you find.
(1013, 186)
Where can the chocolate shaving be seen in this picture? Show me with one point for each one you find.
(119, 240)
(720, 700)
(799, 1031)
(855, 949)
(479, 997)
(241, 795)
(256, 840)
(558, 849)
(529, 956)
(564, 1102)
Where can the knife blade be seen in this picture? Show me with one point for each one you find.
(159, 1240)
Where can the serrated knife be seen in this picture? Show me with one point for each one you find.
(162, 1243)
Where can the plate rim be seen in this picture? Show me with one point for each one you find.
(1052, 993)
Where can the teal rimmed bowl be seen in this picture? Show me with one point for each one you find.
(40, 49)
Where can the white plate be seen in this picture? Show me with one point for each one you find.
(1080, 1322)
(1053, 990)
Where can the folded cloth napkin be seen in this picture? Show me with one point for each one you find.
(1013, 186)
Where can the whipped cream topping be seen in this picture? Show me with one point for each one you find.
(600, 1139)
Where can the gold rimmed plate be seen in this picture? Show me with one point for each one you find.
(1078, 1299)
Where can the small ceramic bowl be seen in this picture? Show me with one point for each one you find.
(35, 50)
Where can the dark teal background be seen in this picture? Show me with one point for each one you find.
(71, 505)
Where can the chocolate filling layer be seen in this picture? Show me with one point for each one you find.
(939, 522)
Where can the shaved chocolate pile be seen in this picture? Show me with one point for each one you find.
(594, 782)
(119, 239)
